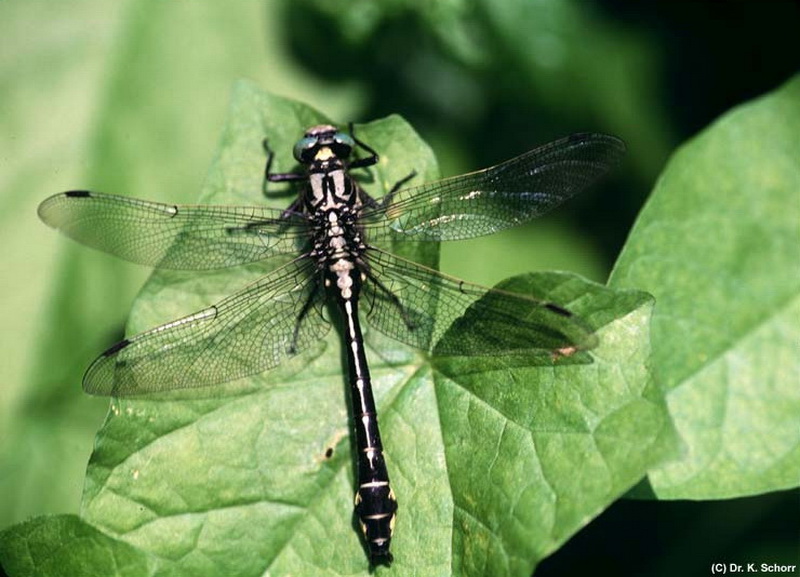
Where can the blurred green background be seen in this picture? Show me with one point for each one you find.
(130, 97)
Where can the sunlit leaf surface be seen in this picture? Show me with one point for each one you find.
(718, 245)
(495, 461)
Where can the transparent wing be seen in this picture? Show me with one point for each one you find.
(244, 334)
(173, 236)
(499, 197)
(417, 306)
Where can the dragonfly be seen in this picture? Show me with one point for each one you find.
(328, 249)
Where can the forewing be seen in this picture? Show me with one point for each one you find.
(499, 197)
(418, 306)
(244, 334)
(169, 236)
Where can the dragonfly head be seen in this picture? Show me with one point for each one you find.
(323, 142)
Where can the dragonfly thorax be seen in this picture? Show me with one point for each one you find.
(331, 189)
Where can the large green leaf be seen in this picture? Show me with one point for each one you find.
(66, 545)
(495, 461)
(718, 244)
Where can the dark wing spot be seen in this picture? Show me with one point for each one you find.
(558, 310)
(114, 349)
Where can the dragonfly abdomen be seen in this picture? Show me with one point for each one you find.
(375, 503)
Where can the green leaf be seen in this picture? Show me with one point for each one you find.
(534, 452)
(126, 98)
(718, 244)
(66, 546)
(495, 461)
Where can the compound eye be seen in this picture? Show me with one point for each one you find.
(304, 149)
(343, 144)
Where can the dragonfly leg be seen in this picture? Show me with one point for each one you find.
(370, 202)
(302, 315)
(270, 176)
(387, 198)
(400, 183)
(395, 300)
(366, 161)
(267, 167)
